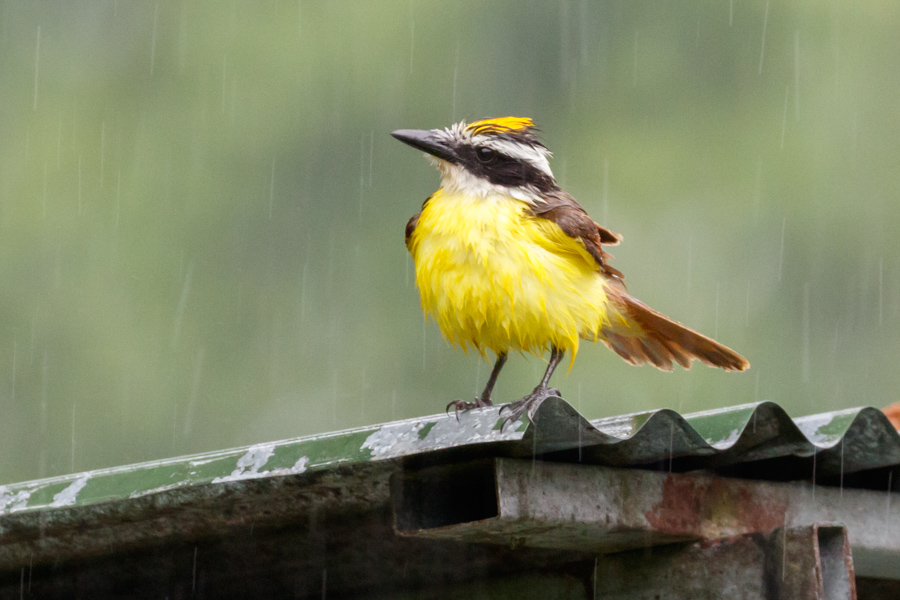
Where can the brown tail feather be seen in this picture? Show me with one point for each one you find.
(656, 339)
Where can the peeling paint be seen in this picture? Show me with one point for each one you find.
(249, 465)
(69, 496)
(11, 502)
(439, 432)
(157, 490)
(299, 467)
(728, 441)
(711, 439)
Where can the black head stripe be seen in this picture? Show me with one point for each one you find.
(500, 169)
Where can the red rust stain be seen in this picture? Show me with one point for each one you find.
(762, 509)
(679, 510)
(716, 507)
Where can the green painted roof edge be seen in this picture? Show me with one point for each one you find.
(847, 440)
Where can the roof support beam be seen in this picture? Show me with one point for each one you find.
(605, 510)
(791, 563)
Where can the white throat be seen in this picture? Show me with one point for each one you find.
(457, 180)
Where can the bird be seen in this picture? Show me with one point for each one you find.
(506, 261)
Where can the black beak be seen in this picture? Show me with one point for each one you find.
(426, 141)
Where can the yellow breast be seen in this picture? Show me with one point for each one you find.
(495, 277)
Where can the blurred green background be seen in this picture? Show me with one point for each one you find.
(202, 212)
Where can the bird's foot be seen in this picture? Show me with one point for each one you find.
(462, 405)
(529, 404)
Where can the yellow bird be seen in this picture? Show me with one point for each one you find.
(506, 260)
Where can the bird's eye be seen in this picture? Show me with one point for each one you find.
(485, 155)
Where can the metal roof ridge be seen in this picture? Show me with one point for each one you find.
(837, 442)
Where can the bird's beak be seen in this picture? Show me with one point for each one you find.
(428, 141)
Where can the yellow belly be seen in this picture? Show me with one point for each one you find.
(495, 278)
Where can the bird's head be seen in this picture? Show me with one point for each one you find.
(500, 156)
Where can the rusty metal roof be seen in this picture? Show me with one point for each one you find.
(406, 503)
(751, 440)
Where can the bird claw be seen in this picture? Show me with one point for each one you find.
(462, 405)
(529, 404)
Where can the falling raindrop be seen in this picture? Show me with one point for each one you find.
(747, 308)
(153, 39)
(412, 36)
(606, 190)
(44, 196)
(455, 75)
(756, 388)
(13, 391)
(362, 171)
(272, 188)
(73, 438)
(784, 115)
(881, 291)
(716, 326)
(37, 62)
(118, 196)
(194, 572)
(303, 289)
(564, 36)
(182, 303)
(363, 385)
(59, 143)
(102, 148)
(579, 427)
(477, 375)
(635, 65)
(44, 393)
(814, 456)
(762, 47)
(224, 79)
(371, 153)
(842, 468)
(690, 257)
(804, 365)
(79, 184)
(796, 74)
(887, 508)
(781, 249)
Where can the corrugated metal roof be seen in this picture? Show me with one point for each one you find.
(728, 440)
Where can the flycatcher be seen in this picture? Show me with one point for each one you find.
(506, 260)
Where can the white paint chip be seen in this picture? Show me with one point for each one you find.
(68, 496)
(13, 502)
(249, 465)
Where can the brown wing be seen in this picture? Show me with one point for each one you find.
(413, 222)
(411, 226)
(651, 337)
(562, 209)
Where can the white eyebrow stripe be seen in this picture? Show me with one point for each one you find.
(536, 155)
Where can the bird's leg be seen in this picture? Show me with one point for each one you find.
(485, 398)
(531, 402)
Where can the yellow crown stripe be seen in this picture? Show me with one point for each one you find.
(501, 124)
